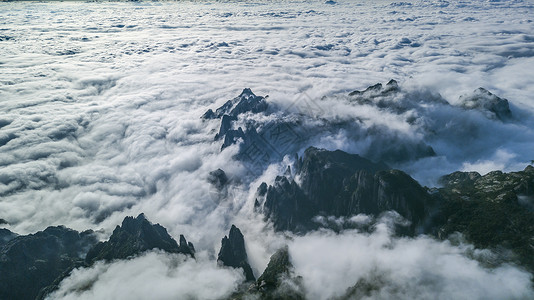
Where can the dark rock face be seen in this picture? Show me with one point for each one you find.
(261, 143)
(266, 140)
(277, 281)
(233, 253)
(488, 103)
(388, 97)
(335, 183)
(247, 101)
(330, 169)
(391, 99)
(209, 114)
(279, 265)
(459, 179)
(132, 238)
(287, 206)
(218, 179)
(31, 262)
(494, 210)
(377, 90)
(390, 190)
(226, 125)
(135, 236)
(6, 236)
(32, 266)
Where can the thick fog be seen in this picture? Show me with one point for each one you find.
(100, 107)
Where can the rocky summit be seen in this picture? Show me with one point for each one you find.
(247, 101)
(336, 183)
(278, 280)
(233, 253)
(260, 142)
(218, 179)
(489, 104)
(377, 90)
(134, 236)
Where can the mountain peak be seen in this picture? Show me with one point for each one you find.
(337, 183)
(486, 102)
(135, 236)
(233, 252)
(247, 92)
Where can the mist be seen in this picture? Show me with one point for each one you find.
(100, 119)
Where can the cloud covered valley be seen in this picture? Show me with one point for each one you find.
(101, 118)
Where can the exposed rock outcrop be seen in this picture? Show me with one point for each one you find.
(266, 133)
(488, 103)
(134, 236)
(247, 101)
(377, 90)
(233, 253)
(6, 236)
(261, 142)
(335, 183)
(278, 281)
(492, 211)
(218, 179)
(31, 262)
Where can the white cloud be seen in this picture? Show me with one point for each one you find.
(402, 268)
(154, 275)
(101, 103)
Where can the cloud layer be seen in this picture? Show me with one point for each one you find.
(422, 268)
(150, 276)
(101, 102)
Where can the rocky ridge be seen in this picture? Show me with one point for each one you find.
(494, 211)
(266, 132)
(31, 262)
(32, 266)
(134, 236)
(491, 105)
(335, 183)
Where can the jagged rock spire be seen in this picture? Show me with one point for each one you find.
(233, 252)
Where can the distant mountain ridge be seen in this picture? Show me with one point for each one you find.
(266, 132)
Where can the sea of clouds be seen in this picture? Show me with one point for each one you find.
(100, 107)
